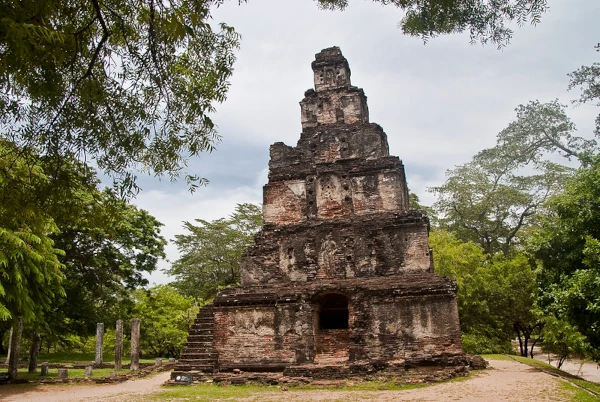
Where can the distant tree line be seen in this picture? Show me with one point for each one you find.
(519, 232)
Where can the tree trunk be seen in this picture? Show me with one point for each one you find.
(561, 360)
(520, 340)
(10, 334)
(531, 349)
(15, 344)
(2, 350)
(36, 344)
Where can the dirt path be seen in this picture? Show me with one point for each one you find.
(588, 370)
(507, 380)
(75, 393)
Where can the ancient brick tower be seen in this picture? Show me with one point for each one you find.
(340, 279)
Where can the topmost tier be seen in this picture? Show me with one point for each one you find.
(331, 69)
(333, 100)
(340, 167)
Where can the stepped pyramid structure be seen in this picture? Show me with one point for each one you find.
(340, 280)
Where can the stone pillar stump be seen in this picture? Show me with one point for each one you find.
(99, 342)
(119, 345)
(135, 344)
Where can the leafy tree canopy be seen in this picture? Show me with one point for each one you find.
(166, 317)
(107, 251)
(496, 294)
(568, 247)
(86, 247)
(486, 20)
(490, 201)
(499, 194)
(129, 83)
(211, 252)
(587, 78)
(30, 271)
(109, 244)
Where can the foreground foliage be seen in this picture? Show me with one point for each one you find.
(568, 247)
(71, 253)
(128, 83)
(486, 21)
(30, 270)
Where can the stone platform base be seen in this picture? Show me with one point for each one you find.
(337, 374)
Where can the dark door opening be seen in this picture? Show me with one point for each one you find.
(333, 313)
(332, 337)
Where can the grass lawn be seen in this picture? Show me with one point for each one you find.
(213, 392)
(210, 392)
(66, 358)
(85, 357)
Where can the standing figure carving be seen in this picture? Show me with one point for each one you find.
(327, 260)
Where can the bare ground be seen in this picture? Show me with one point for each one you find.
(506, 380)
(124, 391)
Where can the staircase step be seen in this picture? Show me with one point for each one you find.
(199, 355)
(193, 337)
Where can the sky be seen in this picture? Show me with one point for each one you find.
(439, 103)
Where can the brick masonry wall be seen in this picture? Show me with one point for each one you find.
(332, 346)
(400, 329)
(358, 248)
(407, 329)
(261, 337)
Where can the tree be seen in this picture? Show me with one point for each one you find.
(211, 253)
(166, 316)
(128, 83)
(489, 202)
(541, 129)
(485, 20)
(108, 247)
(103, 244)
(30, 270)
(509, 286)
(461, 261)
(568, 248)
(588, 79)
(501, 192)
(496, 294)
(562, 339)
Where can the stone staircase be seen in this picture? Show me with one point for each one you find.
(199, 357)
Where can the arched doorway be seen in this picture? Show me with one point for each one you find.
(332, 329)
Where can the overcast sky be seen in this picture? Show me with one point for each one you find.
(439, 103)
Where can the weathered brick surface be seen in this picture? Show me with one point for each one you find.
(331, 346)
(337, 222)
